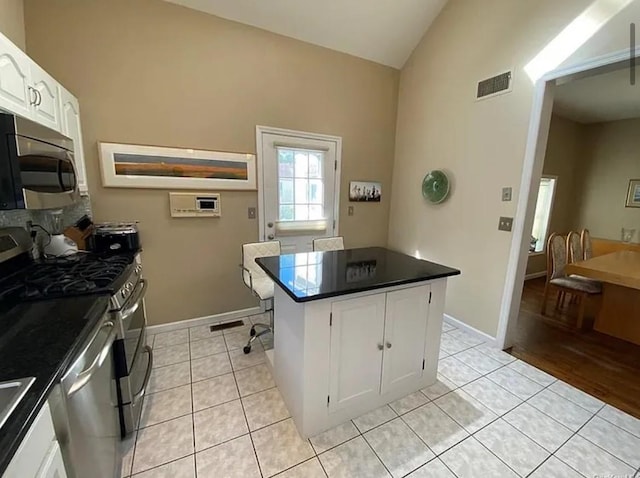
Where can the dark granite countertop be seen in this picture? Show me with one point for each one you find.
(319, 275)
(39, 339)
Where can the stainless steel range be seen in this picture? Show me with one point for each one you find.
(118, 275)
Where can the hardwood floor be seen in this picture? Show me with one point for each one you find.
(598, 364)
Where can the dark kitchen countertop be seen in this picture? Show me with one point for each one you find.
(39, 339)
(319, 275)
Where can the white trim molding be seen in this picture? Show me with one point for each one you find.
(458, 324)
(206, 320)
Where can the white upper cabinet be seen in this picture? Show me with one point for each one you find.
(70, 122)
(46, 109)
(405, 335)
(15, 93)
(29, 91)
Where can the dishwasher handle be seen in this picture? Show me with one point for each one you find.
(147, 376)
(85, 376)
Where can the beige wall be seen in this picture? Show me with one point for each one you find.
(613, 159)
(481, 144)
(12, 21)
(564, 158)
(150, 72)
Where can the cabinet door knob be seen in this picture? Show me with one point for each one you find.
(39, 97)
(269, 224)
(388, 345)
(380, 347)
(271, 237)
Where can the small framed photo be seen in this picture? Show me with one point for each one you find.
(365, 191)
(633, 194)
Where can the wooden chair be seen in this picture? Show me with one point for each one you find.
(557, 277)
(585, 242)
(575, 252)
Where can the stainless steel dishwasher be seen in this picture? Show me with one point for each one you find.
(84, 408)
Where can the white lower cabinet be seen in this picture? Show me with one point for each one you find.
(39, 454)
(378, 344)
(356, 358)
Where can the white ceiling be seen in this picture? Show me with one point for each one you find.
(384, 31)
(605, 97)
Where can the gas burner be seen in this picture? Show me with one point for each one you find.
(67, 276)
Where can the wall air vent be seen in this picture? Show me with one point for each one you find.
(496, 85)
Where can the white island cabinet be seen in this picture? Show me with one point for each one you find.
(354, 330)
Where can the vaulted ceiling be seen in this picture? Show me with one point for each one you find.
(384, 31)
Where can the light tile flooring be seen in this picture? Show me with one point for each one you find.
(214, 412)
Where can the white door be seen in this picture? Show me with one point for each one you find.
(47, 105)
(298, 187)
(357, 328)
(405, 333)
(70, 119)
(15, 94)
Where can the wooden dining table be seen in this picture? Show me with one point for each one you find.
(619, 272)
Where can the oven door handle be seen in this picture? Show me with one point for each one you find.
(147, 376)
(129, 311)
(85, 376)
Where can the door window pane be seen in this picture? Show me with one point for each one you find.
(315, 192)
(302, 165)
(315, 165)
(286, 212)
(302, 212)
(285, 163)
(286, 191)
(316, 212)
(302, 191)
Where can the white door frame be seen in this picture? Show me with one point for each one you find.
(262, 130)
(531, 173)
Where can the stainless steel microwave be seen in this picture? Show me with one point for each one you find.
(36, 166)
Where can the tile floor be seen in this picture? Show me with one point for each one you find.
(213, 412)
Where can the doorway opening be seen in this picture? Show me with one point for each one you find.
(580, 164)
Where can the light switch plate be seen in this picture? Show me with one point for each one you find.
(506, 194)
(251, 213)
(505, 224)
(350, 211)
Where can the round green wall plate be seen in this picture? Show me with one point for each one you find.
(435, 186)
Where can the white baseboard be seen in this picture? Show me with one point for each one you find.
(470, 330)
(206, 320)
(535, 275)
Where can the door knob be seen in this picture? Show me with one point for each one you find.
(271, 237)
(380, 347)
(269, 224)
(388, 345)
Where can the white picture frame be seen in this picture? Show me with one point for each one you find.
(156, 167)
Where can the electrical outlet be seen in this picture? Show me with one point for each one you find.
(251, 213)
(506, 194)
(505, 224)
(350, 211)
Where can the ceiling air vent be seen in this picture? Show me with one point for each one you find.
(496, 85)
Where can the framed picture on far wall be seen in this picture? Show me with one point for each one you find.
(365, 191)
(633, 194)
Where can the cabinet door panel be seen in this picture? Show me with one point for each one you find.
(14, 79)
(405, 334)
(70, 119)
(356, 360)
(47, 109)
(53, 466)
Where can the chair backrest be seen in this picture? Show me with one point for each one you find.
(556, 256)
(328, 244)
(253, 250)
(585, 241)
(574, 247)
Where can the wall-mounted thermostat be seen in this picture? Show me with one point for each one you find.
(194, 204)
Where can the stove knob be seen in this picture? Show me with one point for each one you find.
(138, 269)
(123, 294)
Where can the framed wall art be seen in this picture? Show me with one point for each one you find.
(135, 166)
(633, 193)
(365, 191)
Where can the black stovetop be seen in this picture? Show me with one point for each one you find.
(79, 274)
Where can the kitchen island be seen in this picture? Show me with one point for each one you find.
(354, 329)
